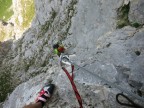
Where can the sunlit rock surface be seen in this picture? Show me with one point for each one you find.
(88, 31)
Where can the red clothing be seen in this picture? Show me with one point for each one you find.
(61, 49)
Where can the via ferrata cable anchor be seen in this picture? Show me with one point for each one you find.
(64, 59)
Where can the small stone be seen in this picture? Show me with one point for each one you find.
(108, 45)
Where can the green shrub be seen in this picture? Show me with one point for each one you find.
(135, 24)
(123, 20)
(5, 9)
(123, 12)
(5, 84)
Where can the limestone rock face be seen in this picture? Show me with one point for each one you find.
(87, 28)
(137, 11)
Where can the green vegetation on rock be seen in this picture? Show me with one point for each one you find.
(5, 75)
(27, 13)
(135, 24)
(5, 9)
(123, 16)
(123, 19)
(2, 35)
(6, 32)
(5, 84)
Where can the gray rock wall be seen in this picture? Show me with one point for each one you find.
(136, 14)
(88, 30)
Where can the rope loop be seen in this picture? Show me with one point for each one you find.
(132, 103)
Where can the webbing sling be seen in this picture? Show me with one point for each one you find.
(71, 78)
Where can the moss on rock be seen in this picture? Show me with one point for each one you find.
(5, 83)
(123, 19)
(123, 16)
(5, 9)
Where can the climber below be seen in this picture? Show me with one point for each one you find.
(58, 49)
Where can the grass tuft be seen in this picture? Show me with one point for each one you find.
(123, 12)
(5, 9)
(123, 19)
(28, 11)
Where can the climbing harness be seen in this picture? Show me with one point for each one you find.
(71, 78)
(64, 59)
(133, 104)
(104, 80)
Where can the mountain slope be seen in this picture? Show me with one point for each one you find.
(88, 30)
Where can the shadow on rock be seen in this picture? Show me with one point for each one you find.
(5, 76)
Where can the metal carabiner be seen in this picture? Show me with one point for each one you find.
(65, 59)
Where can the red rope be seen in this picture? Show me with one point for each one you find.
(71, 78)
